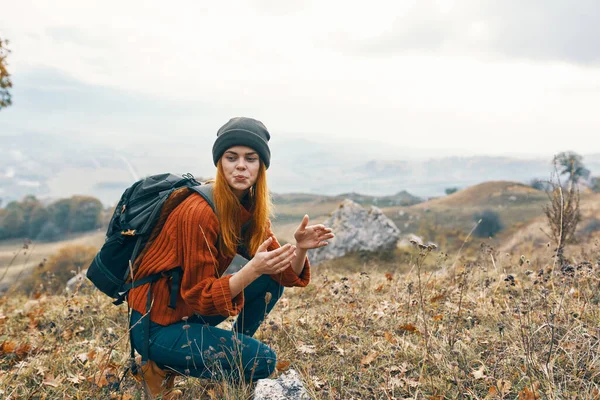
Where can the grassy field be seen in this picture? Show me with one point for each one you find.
(493, 319)
(491, 328)
(446, 221)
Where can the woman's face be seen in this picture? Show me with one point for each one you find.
(240, 165)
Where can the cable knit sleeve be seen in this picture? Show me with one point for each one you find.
(288, 278)
(201, 288)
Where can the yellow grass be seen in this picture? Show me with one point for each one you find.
(486, 194)
(495, 327)
(17, 260)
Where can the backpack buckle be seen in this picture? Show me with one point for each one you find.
(128, 232)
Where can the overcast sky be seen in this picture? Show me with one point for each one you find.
(438, 76)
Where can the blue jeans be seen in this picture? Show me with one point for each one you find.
(198, 348)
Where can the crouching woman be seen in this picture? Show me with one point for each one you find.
(183, 338)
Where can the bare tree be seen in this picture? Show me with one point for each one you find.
(5, 82)
(562, 212)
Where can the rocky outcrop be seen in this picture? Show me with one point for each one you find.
(287, 386)
(357, 229)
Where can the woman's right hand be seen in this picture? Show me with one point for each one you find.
(274, 261)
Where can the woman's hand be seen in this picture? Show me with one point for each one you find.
(313, 236)
(272, 262)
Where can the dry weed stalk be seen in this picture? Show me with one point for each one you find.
(563, 213)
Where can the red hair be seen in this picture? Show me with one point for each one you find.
(230, 219)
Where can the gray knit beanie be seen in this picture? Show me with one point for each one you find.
(243, 131)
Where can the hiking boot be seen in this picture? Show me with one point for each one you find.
(157, 382)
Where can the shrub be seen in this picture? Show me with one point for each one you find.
(489, 225)
(52, 276)
(595, 184)
(451, 190)
(540, 184)
(592, 226)
(49, 232)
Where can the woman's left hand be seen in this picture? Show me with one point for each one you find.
(313, 236)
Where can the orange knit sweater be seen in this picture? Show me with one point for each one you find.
(188, 239)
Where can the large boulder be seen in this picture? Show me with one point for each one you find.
(287, 386)
(357, 229)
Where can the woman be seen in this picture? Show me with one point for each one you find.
(185, 339)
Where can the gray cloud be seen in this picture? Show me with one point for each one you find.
(557, 30)
(46, 99)
(548, 29)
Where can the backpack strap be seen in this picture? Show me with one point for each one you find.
(175, 275)
(206, 191)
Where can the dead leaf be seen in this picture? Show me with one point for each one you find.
(503, 386)
(75, 379)
(8, 347)
(398, 370)
(395, 382)
(492, 392)
(369, 358)
(527, 394)
(23, 349)
(411, 382)
(307, 349)
(389, 276)
(50, 380)
(479, 373)
(379, 288)
(408, 328)
(437, 298)
(438, 317)
(317, 382)
(388, 336)
(83, 357)
(282, 366)
(103, 378)
(98, 379)
(67, 334)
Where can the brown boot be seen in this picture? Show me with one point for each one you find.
(157, 382)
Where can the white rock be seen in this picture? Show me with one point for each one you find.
(288, 386)
(77, 282)
(357, 229)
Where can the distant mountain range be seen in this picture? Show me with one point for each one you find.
(52, 167)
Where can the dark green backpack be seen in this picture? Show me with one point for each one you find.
(129, 230)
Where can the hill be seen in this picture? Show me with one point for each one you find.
(532, 241)
(17, 260)
(488, 194)
(448, 220)
(51, 166)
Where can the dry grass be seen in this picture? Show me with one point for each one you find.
(16, 261)
(487, 194)
(495, 327)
